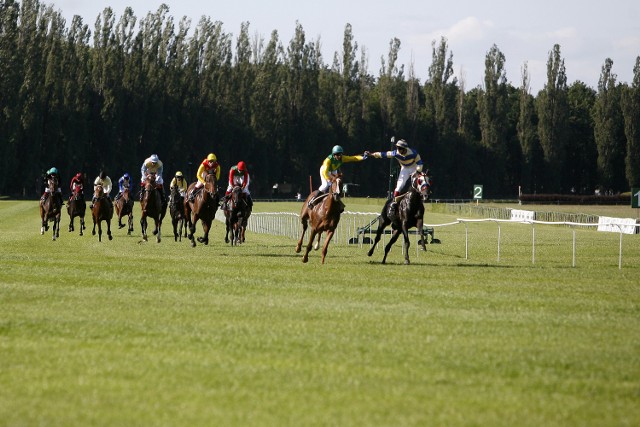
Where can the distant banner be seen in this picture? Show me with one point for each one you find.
(522, 216)
(617, 225)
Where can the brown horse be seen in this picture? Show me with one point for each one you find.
(203, 208)
(324, 217)
(77, 207)
(178, 216)
(50, 209)
(408, 213)
(151, 206)
(101, 211)
(236, 212)
(124, 206)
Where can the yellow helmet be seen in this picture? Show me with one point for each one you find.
(178, 174)
(212, 157)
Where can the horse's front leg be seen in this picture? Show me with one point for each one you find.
(305, 223)
(205, 229)
(82, 226)
(406, 245)
(326, 244)
(312, 237)
(423, 241)
(143, 227)
(158, 230)
(381, 226)
(71, 228)
(109, 229)
(387, 248)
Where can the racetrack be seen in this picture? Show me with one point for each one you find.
(130, 333)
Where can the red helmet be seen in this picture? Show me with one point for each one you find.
(78, 175)
(241, 166)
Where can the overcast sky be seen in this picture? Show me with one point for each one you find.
(587, 31)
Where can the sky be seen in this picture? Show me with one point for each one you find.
(587, 31)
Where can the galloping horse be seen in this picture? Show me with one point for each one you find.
(236, 212)
(408, 213)
(324, 216)
(50, 209)
(203, 208)
(178, 217)
(102, 211)
(151, 206)
(124, 206)
(77, 207)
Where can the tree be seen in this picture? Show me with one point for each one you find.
(552, 121)
(527, 136)
(609, 131)
(580, 166)
(631, 113)
(493, 109)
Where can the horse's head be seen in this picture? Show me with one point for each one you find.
(421, 182)
(98, 191)
(210, 183)
(150, 181)
(336, 187)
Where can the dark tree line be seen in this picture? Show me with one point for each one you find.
(84, 99)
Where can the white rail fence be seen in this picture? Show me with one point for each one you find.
(358, 228)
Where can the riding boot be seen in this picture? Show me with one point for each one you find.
(93, 201)
(192, 196)
(249, 202)
(60, 199)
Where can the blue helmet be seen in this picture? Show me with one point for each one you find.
(126, 176)
(53, 171)
(337, 150)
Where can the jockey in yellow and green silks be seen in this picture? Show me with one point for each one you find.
(330, 169)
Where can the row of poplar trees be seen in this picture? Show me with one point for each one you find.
(84, 101)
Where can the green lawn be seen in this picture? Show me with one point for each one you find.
(129, 333)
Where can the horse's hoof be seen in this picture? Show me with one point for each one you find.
(155, 232)
(369, 253)
(298, 249)
(110, 237)
(193, 243)
(406, 262)
(305, 259)
(93, 233)
(120, 225)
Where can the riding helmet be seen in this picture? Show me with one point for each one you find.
(402, 144)
(154, 158)
(53, 171)
(178, 174)
(212, 157)
(241, 166)
(337, 150)
(78, 175)
(126, 176)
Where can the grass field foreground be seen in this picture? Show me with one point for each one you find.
(129, 333)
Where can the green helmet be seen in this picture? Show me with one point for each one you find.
(53, 171)
(337, 150)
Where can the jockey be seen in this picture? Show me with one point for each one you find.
(105, 181)
(409, 160)
(123, 183)
(208, 166)
(239, 175)
(77, 182)
(178, 183)
(50, 176)
(330, 169)
(152, 164)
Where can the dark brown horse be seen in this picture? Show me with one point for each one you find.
(408, 213)
(102, 211)
(151, 207)
(324, 217)
(236, 212)
(124, 206)
(178, 216)
(77, 207)
(50, 209)
(203, 208)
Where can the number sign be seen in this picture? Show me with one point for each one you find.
(477, 191)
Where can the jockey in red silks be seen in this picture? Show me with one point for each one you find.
(77, 184)
(239, 175)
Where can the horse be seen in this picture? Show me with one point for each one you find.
(101, 211)
(124, 206)
(77, 207)
(203, 208)
(236, 212)
(151, 206)
(324, 217)
(408, 213)
(50, 209)
(178, 216)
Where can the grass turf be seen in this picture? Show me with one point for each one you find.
(130, 333)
